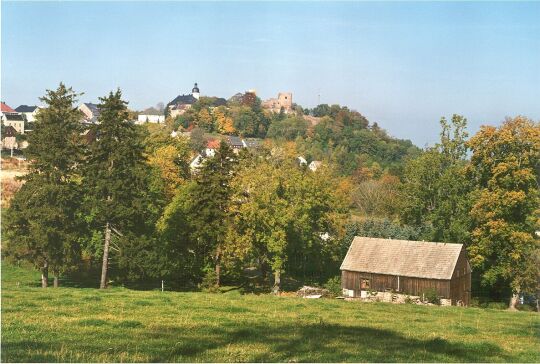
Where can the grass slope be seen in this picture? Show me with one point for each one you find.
(119, 325)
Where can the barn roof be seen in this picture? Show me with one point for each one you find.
(402, 257)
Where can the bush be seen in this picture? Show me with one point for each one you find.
(409, 300)
(526, 307)
(208, 283)
(497, 305)
(431, 296)
(333, 285)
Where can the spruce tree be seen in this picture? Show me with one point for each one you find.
(114, 176)
(211, 199)
(42, 225)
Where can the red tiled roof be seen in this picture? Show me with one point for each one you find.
(213, 143)
(6, 108)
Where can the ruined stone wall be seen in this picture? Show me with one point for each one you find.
(284, 100)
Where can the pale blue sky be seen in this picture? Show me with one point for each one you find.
(403, 65)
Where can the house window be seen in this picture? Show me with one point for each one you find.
(365, 284)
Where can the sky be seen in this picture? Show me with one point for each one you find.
(403, 65)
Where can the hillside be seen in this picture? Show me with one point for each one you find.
(119, 325)
(331, 133)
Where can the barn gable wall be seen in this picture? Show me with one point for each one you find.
(460, 285)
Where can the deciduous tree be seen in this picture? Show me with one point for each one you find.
(505, 165)
(286, 218)
(436, 188)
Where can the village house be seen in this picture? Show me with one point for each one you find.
(235, 143)
(393, 269)
(150, 115)
(90, 112)
(251, 143)
(9, 138)
(14, 120)
(197, 162)
(283, 101)
(208, 152)
(314, 165)
(29, 112)
(211, 146)
(182, 103)
(10, 117)
(301, 160)
(6, 109)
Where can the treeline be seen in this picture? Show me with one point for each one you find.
(120, 201)
(482, 192)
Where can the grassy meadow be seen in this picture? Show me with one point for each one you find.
(121, 325)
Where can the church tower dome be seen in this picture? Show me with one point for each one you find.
(195, 91)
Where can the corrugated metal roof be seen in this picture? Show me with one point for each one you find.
(402, 257)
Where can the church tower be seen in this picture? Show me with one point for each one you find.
(195, 91)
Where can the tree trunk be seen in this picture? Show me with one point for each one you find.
(277, 282)
(56, 279)
(105, 265)
(514, 300)
(45, 275)
(218, 267)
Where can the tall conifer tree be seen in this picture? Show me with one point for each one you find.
(211, 199)
(42, 225)
(115, 176)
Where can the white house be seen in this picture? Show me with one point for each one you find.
(90, 111)
(149, 118)
(197, 162)
(302, 161)
(12, 118)
(151, 115)
(9, 140)
(29, 112)
(314, 165)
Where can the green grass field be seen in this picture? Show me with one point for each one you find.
(121, 325)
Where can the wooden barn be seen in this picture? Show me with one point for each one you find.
(406, 267)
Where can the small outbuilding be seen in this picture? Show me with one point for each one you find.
(406, 267)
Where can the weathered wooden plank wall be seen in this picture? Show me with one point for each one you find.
(460, 285)
(382, 282)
